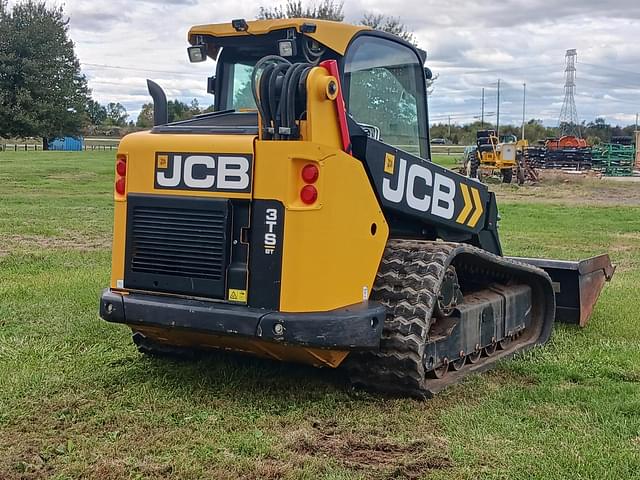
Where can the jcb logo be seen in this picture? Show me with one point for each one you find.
(422, 190)
(215, 173)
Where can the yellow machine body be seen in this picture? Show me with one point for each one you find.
(319, 272)
(303, 219)
(335, 35)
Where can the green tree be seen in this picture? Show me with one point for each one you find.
(178, 110)
(145, 117)
(116, 114)
(97, 113)
(194, 107)
(332, 10)
(391, 25)
(325, 10)
(42, 91)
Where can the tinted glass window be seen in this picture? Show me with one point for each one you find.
(242, 97)
(386, 91)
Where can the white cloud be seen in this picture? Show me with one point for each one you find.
(471, 43)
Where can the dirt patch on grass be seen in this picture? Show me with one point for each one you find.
(571, 189)
(67, 241)
(376, 455)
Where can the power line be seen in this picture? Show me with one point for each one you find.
(117, 67)
(609, 68)
(460, 114)
(474, 70)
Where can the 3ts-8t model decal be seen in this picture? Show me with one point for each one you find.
(265, 253)
(271, 229)
(203, 171)
(413, 186)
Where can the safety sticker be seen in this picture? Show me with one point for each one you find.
(389, 163)
(163, 161)
(237, 295)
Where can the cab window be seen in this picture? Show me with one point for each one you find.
(386, 91)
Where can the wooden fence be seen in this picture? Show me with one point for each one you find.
(90, 144)
(447, 149)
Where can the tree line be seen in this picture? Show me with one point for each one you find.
(116, 115)
(43, 92)
(595, 132)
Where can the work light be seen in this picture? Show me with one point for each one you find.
(240, 25)
(197, 53)
(287, 48)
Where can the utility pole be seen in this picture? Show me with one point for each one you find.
(498, 113)
(524, 103)
(635, 140)
(482, 116)
(449, 134)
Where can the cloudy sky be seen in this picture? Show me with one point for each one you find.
(470, 43)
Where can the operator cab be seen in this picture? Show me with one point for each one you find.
(383, 77)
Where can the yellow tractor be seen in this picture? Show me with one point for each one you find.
(491, 155)
(303, 220)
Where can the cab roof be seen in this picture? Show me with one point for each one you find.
(334, 35)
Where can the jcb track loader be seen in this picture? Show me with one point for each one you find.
(303, 220)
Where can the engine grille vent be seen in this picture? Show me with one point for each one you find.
(177, 244)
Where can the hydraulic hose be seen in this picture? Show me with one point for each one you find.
(279, 90)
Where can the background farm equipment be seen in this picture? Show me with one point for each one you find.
(504, 156)
(615, 159)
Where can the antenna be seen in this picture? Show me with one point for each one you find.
(568, 123)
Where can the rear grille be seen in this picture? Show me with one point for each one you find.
(177, 244)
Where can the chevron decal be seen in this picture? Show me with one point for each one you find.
(473, 209)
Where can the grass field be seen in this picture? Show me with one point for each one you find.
(78, 401)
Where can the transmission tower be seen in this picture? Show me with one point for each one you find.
(568, 123)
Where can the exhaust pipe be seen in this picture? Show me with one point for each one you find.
(577, 284)
(160, 112)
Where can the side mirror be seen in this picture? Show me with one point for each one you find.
(211, 85)
(197, 53)
(428, 74)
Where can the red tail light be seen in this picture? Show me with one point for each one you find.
(310, 173)
(308, 194)
(120, 185)
(121, 174)
(121, 167)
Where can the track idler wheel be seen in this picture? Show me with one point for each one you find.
(505, 342)
(491, 348)
(440, 371)
(475, 356)
(459, 363)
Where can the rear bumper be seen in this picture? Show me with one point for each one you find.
(356, 327)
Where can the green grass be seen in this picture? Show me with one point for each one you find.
(78, 401)
(448, 161)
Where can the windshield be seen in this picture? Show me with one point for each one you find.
(386, 91)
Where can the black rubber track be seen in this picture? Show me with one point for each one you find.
(408, 283)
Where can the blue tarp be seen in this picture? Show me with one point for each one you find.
(68, 144)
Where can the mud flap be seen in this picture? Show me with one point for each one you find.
(577, 285)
